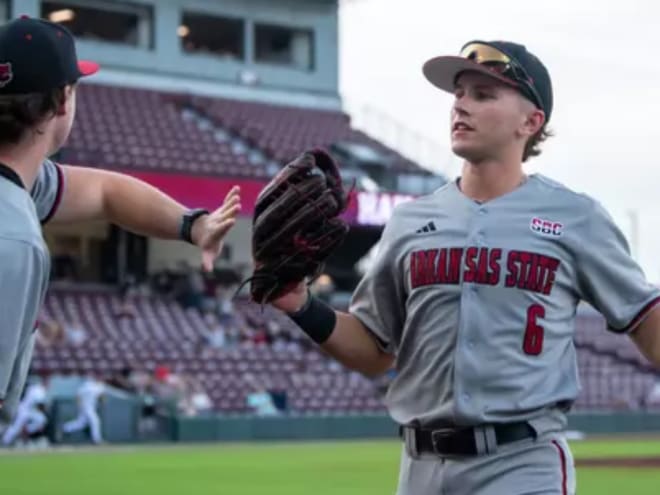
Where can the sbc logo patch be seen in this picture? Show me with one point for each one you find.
(546, 227)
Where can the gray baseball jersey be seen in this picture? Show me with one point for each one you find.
(478, 301)
(24, 272)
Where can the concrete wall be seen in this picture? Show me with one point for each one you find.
(375, 426)
(166, 58)
(120, 416)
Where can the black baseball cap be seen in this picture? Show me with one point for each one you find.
(37, 56)
(506, 61)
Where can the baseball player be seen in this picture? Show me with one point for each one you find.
(39, 71)
(87, 396)
(31, 416)
(474, 291)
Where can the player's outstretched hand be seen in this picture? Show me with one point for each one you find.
(210, 230)
(292, 301)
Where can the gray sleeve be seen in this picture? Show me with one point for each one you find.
(379, 299)
(19, 305)
(609, 278)
(47, 190)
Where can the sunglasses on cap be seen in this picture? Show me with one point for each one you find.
(505, 66)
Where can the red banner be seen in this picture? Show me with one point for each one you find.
(203, 191)
(208, 192)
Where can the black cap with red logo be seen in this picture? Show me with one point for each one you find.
(37, 56)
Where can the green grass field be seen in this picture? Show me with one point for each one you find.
(348, 468)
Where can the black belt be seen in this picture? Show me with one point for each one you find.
(463, 441)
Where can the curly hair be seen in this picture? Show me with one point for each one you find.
(533, 145)
(20, 113)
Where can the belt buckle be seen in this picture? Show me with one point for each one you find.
(438, 435)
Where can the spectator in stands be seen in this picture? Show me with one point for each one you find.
(49, 333)
(52, 333)
(75, 333)
(260, 336)
(276, 332)
(225, 304)
(196, 401)
(128, 288)
(179, 393)
(258, 399)
(163, 283)
(88, 396)
(281, 337)
(168, 386)
(189, 291)
(234, 335)
(214, 335)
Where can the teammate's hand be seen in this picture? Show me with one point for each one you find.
(292, 301)
(209, 231)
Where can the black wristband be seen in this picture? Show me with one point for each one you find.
(187, 221)
(316, 319)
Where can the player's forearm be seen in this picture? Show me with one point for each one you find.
(94, 194)
(341, 335)
(353, 345)
(141, 208)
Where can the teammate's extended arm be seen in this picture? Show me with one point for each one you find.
(92, 194)
(647, 336)
(349, 341)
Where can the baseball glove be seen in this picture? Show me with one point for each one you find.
(296, 225)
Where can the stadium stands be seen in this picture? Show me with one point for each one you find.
(127, 128)
(283, 131)
(613, 374)
(164, 334)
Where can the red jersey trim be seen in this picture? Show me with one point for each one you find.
(58, 195)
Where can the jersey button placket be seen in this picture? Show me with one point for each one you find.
(465, 388)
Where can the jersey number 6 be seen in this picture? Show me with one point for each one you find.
(533, 341)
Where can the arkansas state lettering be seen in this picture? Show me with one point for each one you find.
(521, 269)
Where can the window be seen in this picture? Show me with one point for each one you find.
(212, 35)
(4, 10)
(114, 22)
(286, 46)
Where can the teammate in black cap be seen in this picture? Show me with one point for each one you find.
(39, 71)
